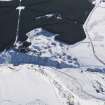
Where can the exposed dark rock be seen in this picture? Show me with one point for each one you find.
(63, 17)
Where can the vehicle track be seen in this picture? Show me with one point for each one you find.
(81, 88)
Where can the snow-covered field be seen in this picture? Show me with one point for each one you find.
(52, 73)
(33, 85)
(25, 85)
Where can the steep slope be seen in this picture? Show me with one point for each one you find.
(24, 85)
(44, 50)
(52, 73)
(34, 85)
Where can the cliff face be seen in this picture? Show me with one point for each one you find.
(67, 20)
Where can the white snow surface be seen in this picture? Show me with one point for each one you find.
(24, 86)
(30, 84)
(95, 27)
(53, 73)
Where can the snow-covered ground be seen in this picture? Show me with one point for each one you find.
(95, 28)
(24, 85)
(33, 85)
(53, 73)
